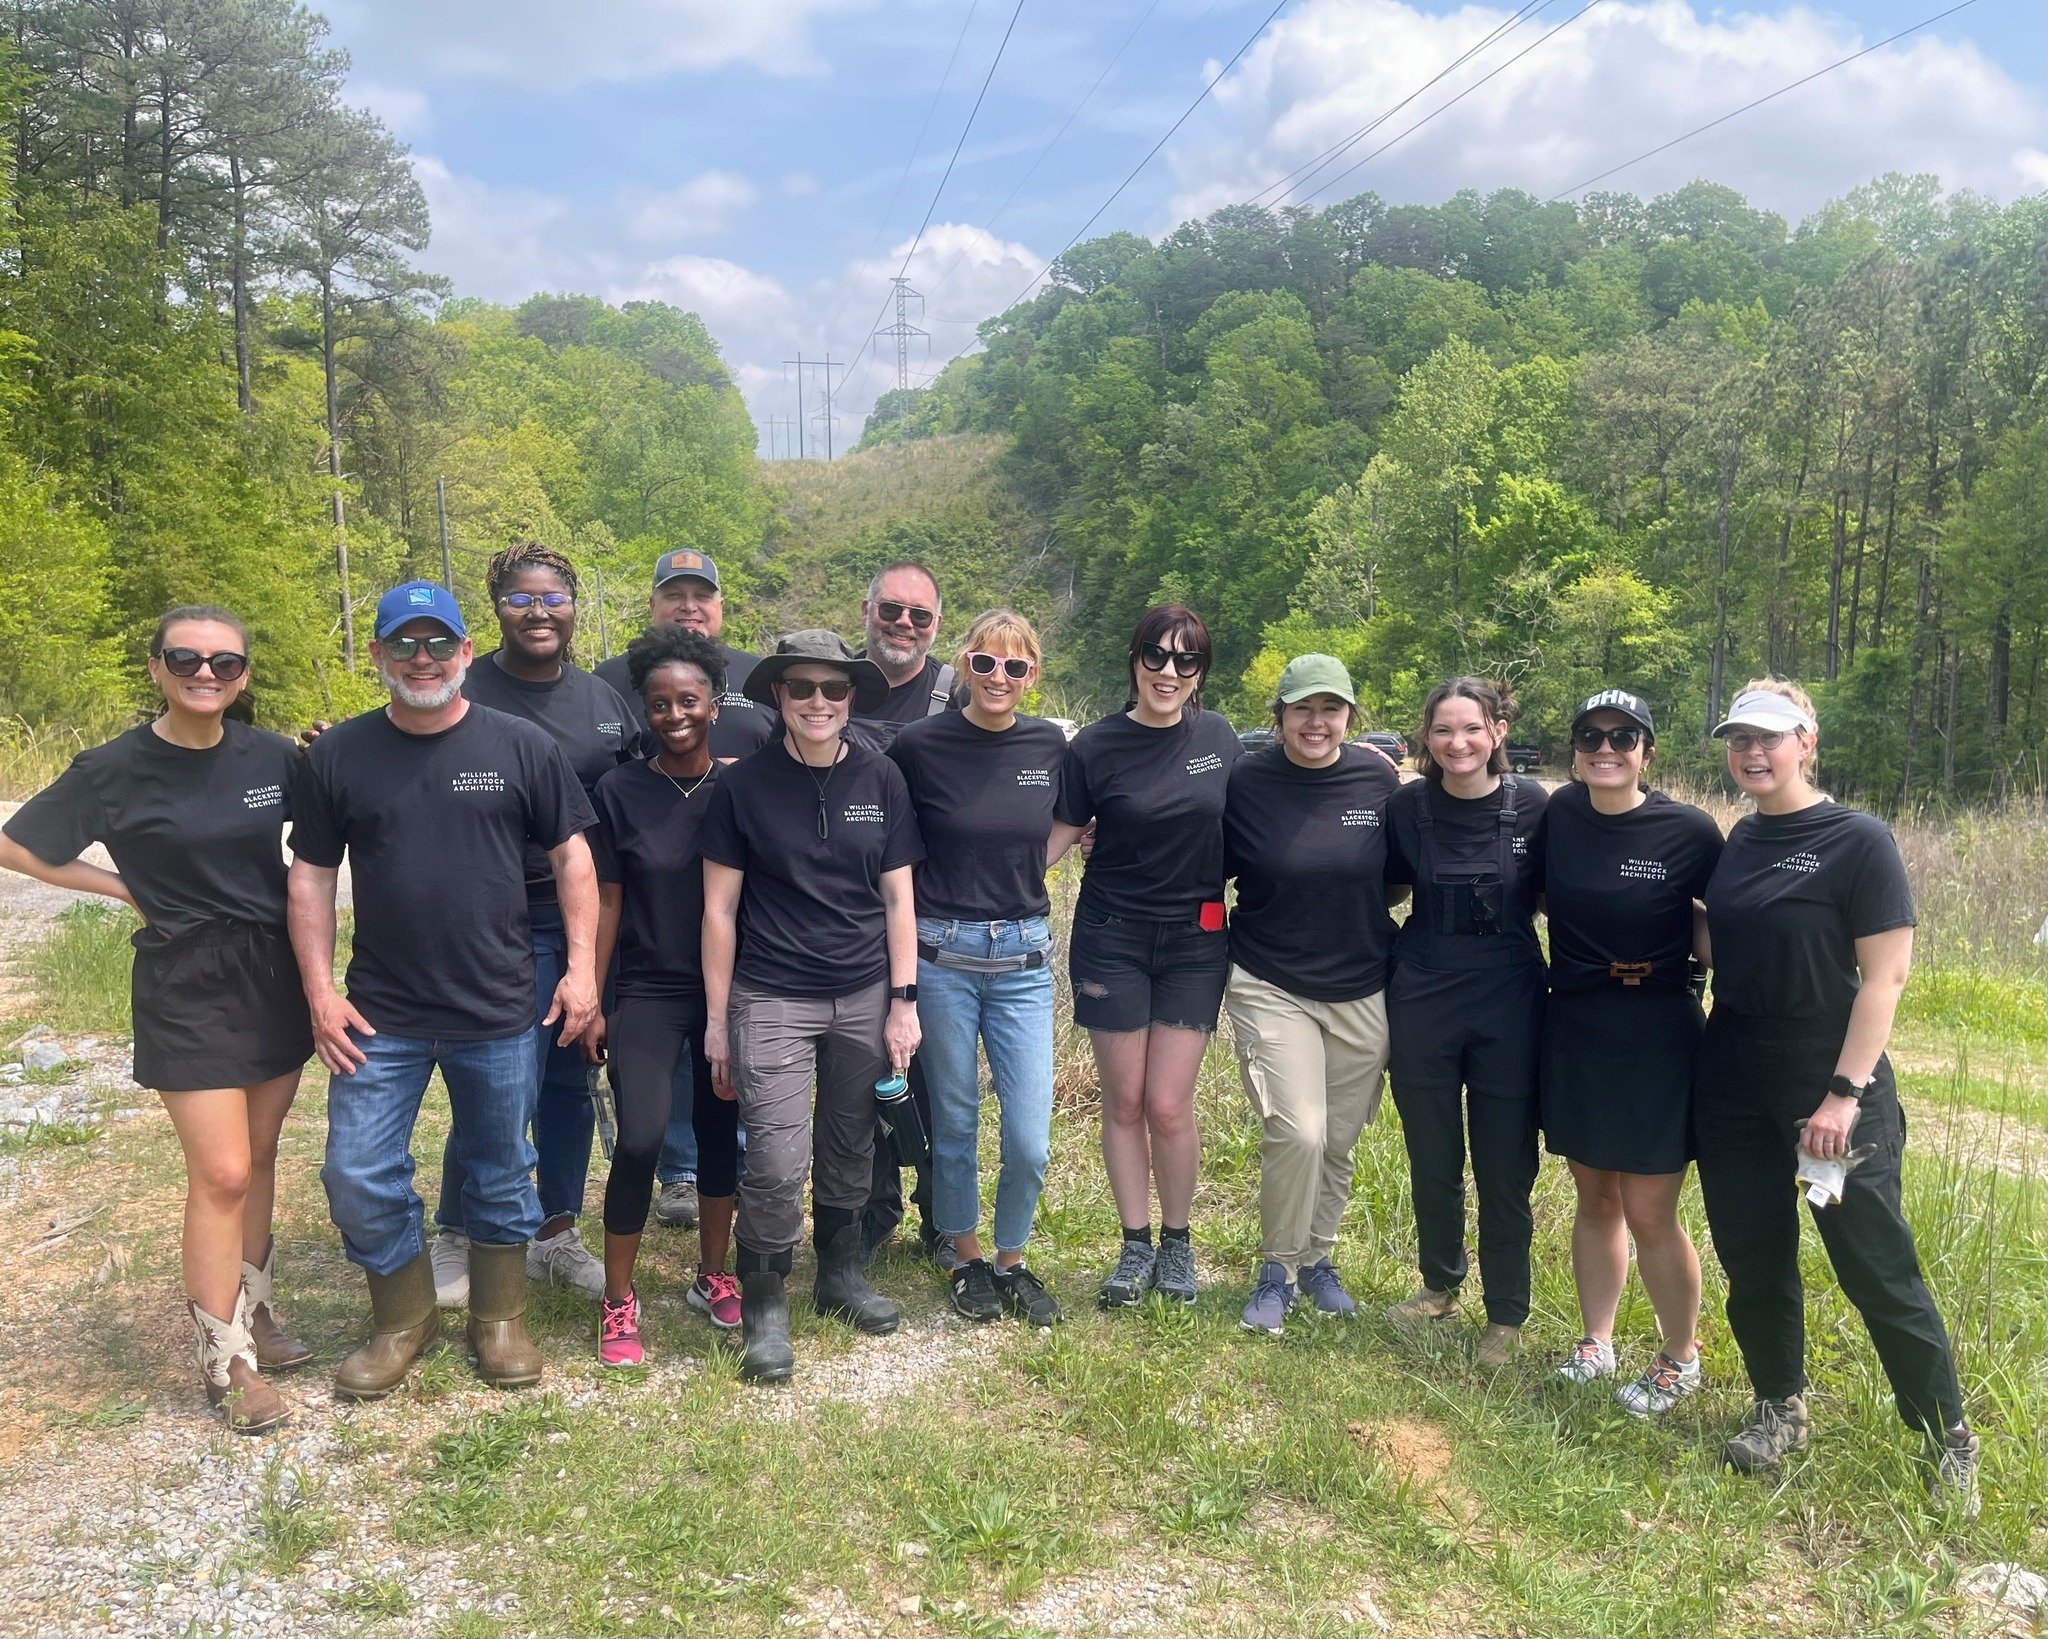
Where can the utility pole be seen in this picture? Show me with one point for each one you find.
(828, 365)
(441, 506)
(903, 329)
(798, 361)
(604, 639)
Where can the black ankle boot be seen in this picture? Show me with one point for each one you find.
(842, 1290)
(764, 1317)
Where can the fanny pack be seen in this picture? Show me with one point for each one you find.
(1022, 962)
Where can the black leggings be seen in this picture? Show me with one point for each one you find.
(647, 1038)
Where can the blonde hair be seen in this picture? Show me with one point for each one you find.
(999, 631)
(1786, 689)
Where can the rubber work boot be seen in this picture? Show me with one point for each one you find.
(505, 1356)
(843, 1291)
(276, 1349)
(764, 1325)
(403, 1321)
(227, 1365)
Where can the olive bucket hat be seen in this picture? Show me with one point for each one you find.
(816, 646)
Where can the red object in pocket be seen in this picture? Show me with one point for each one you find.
(1212, 916)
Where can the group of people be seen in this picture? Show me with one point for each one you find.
(786, 904)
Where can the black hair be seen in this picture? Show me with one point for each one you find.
(1156, 625)
(1495, 699)
(506, 565)
(241, 709)
(660, 646)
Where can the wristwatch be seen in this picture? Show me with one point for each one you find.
(1842, 1087)
(903, 993)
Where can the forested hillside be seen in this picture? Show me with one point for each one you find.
(1667, 445)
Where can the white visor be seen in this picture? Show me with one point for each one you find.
(1766, 710)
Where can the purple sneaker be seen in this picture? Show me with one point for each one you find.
(1321, 1288)
(1271, 1299)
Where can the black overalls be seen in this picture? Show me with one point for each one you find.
(1465, 1011)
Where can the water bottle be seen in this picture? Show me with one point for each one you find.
(902, 1122)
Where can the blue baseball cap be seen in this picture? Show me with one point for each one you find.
(419, 600)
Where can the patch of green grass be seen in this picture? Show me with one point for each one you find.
(374, 1598)
(54, 1135)
(81, 970)
(1995, 1006)
(292, 1518)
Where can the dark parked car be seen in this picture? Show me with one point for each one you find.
(1524, 759)
(1384, 739)
(1252, 739)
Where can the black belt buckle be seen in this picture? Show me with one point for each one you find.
(1631, 974)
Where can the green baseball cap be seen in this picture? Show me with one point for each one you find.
(1308, 674)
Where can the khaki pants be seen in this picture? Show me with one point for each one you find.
(1313, 1072)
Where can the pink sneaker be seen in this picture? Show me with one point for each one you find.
(618, 1333)
(718, 1297)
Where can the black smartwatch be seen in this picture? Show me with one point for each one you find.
(1843, 1087)
(903, 993)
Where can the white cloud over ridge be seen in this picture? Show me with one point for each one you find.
(1620, 80)
(703, 205)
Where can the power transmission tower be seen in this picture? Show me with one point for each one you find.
(903, 329)
(786, 426)
(828, 364)
(798, 361)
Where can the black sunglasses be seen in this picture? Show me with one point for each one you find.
(547, 600)
(920, 617)
(834, 689)
(1156, 657)
(984, 665)
(225, 666)
(1622, 739)
(438, 648)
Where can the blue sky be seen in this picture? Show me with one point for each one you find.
(758, 160)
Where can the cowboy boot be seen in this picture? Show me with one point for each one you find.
(403, 1321)
(276, 1349)
(227, 1366)
(505, 1356)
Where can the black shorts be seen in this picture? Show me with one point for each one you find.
(1617, 1077)
(218, 1007)
(1128, 975)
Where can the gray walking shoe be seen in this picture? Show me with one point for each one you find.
(1953, 1481)
(1775, 1429)
(1173, 1276)
(676, 1205)
(1125, 1288)
(1324, 1292)
(1271, 1298)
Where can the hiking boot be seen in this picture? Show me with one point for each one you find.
(227, 1366)
(1775, 1427)
(843, 1291)
(1591, 1358)
(563, 1260)
(276, 1349)
(764, 1318)
(676, 1205)
(1952, 1482)
(404, 1319)
(1173, 1275)
(1128, 1281)
(1271, 1298)
(974, 1291)
(1421, 1305)
(717, 1298)
(1025, 1296)
(1661, 1387)
(1324, 1292)
(618, 1332)
(449, 1250)
(1497, 1346)
(505, 1355)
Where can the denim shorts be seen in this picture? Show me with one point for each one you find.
(1130, 974)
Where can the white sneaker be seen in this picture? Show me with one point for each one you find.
(1660, 1388)
(1590, 1358)
(449, 1254)
(563, 1260)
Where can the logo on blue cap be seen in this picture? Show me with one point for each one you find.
(415, 600)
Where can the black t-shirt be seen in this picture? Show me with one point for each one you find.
(646, 841)
(906, 703)
(1786, 905)
(811, 922)
(1466, 856)
(1309, 851)
(435, 827)
(742, 727)
(1620, 887)
(984, 808)
(582, 714)
(1156, 796)
(197, 835)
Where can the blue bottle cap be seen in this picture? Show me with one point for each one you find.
(892, 1086)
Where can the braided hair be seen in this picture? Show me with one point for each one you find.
(506, 565)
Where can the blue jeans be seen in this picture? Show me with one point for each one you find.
(564, 1119)
(678, 1163)
(1010, 1016)
(370, 1118)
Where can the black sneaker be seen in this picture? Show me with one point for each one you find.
(974, 1291)
(1025, 1296)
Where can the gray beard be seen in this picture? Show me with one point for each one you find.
(892, 653)
(424, 699)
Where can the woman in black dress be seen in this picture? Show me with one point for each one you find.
(192, 807)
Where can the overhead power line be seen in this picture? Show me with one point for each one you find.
(1804, 79)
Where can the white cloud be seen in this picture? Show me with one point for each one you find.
(497, 242)
(722, 293)
(799, 184)
(544, 45)
(405, 111)
(1623, 79)
(702, 205)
